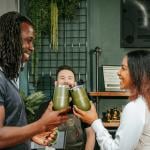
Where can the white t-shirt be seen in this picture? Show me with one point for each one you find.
(131, 127)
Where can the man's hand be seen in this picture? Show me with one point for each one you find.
(52, 119)
(86, 116)
(46, 138)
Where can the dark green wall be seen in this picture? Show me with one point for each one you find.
(103, 31)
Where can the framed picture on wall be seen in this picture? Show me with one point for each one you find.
(135, 24)
(111, 79)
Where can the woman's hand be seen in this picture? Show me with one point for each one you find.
(86, 116)
(46, 138)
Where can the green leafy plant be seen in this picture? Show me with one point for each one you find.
(54, 24)
(45, 15)
(68, 8)
(32, 103)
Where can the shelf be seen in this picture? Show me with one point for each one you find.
(111, 124)
(109, 94)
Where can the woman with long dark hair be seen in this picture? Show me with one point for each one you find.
(134, 130)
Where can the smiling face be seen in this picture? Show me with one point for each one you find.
(27, 34)
(124, 75)
(66, 77)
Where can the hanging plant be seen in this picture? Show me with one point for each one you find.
(44, 14)
(38, 12)
(52, 9)
(54, 24)
(68, 8)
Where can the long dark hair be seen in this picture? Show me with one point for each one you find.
(11, 43)
(139, 68)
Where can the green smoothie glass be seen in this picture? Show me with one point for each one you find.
(60, 97)
(80, 98)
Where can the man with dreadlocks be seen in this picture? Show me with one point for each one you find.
(16, 46)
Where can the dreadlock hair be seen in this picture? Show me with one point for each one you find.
(11, 43)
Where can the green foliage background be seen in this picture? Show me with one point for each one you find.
(32, 103)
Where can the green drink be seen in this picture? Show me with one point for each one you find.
(60, 97)
(80, 98)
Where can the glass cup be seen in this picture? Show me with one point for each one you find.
(60, 97)
(80, 98)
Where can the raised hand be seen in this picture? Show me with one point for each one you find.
(51, 119)
(46, 138)
(86, 116)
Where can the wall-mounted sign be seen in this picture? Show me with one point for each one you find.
(111, 79)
